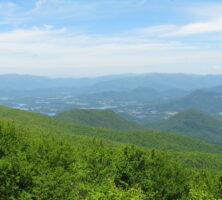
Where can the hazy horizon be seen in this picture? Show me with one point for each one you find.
(106, 75)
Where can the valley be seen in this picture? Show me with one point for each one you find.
(142, 104)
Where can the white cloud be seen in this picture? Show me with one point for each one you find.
(38, 4)
(197, 28)
(8, 14)
(59, 42)
(218, 68)
(155, 31)
(78, 10)
(43, 49)
(185, 30)
(143, 1)
(206, 11)
(207, 19)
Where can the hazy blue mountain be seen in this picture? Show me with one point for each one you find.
(202, 100)
(217, 88)
(159, 82)
(140, 95)
(135, 96)
(113, 83)
(28, 82)
(193, 123)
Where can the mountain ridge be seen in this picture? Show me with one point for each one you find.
(98, 118)
(193, 123)
(145, 138)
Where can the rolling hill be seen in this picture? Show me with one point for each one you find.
(193, 123)
(97, 118)
(45, 158)
(145, 138)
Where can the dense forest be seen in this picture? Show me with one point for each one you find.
(98, 118)
(194, 123)
(44, 158)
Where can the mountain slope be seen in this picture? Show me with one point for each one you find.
(193, 123)
(158, 81)
(97, 118)
(39, 165)
(202, 100)
(145, 138)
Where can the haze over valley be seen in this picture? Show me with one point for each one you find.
(142, 98)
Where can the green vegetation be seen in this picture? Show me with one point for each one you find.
(97, 118)
(42, 166)
(193, 123)
(143, 138)
(44, 158)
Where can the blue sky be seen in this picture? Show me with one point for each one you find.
(98, 37)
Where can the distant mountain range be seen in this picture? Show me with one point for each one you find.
(137, 96)
(143, 98)
(208, 100)
(193, 123)
(112, 83)
(159, 82)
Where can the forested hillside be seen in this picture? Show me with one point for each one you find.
(147, 139)
(97, 118)
(43, 165)
(193, 123)
(143, 138)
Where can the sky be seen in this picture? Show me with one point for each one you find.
(77, 38)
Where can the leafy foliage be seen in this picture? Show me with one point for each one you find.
(144, 138)
(36, 165)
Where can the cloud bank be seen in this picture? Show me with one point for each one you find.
(28, 44)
